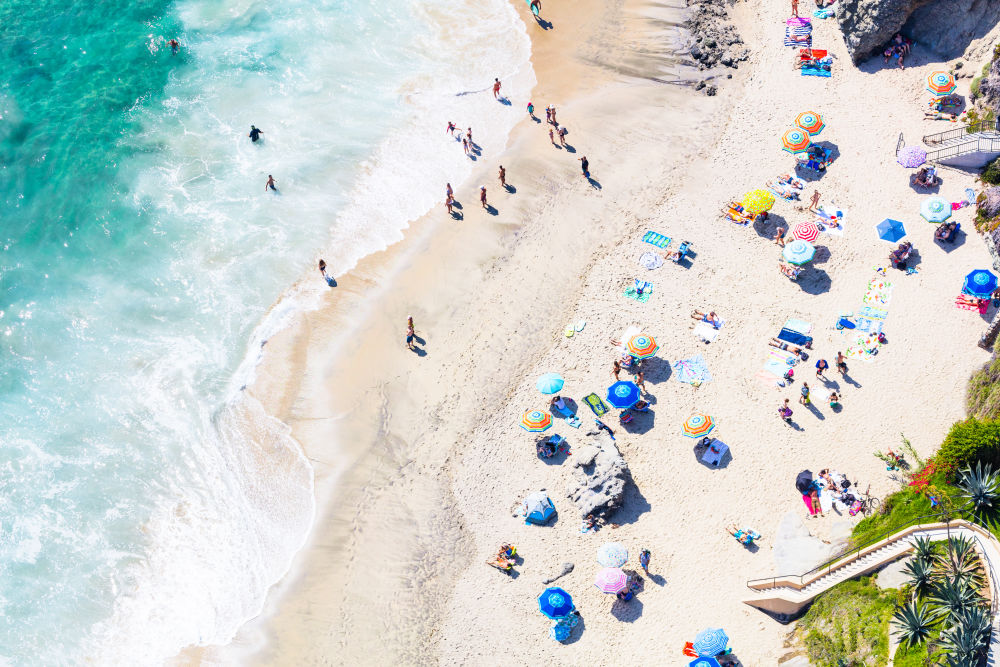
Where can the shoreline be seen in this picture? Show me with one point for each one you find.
(426, 466)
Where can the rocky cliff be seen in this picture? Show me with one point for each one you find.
(946, 27)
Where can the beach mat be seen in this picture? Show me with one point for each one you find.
(793, 337)
(801, 326)
(800, 36)
(596, 404)
(633, 294)
(816, 71)
(878, 293)
(659, 240)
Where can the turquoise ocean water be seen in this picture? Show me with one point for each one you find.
(145, 503)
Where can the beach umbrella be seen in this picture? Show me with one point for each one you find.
(612, 554)
(980, 283)
(710, 642)
(536, 421)
(698, 425)
(798, 252)
(806, 231)
(911, 156)
(811, 122)
(555, 603)
(611, 580)
(623, 394)
(890, 230)
(795, 140)
(641, 346)
(560, 631)
(941, 83)
(935, 209)
(704, 661)
(803, 481)
(757, 201)
(537, 508)
(550, 383)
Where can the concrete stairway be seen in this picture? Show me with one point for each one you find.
(970, 146)
(786, 596)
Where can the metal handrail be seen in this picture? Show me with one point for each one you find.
(856, 551)
(899, 143)
(980, 126)
(976, 145)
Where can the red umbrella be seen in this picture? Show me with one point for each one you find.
(806, 231)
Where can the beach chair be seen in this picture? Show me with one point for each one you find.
(926, 177)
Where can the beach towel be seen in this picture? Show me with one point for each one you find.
(878, 293)
(596, 403)
(706, 332)
(659, 240)
(812, 54)
(650, 260)
(823, 71)
(793, 337)
(869, 325)
(632, 293)
(982, 307)
(826, 214)
(800, 326)
(864, 347)
(800, 36)
(692, 371)
(823, 13)
(873, 313)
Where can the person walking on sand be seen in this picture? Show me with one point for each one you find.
(616, 368)
(585, 166)
(482, 196)
(640, 380)
(531, 110)
(503, 177)
(496, 88)
(552, 136)
(644, 560)
(468, 133)
(448, 202)
(548, 114)
(804, 398)
(795, 8)
(554, 121)
(410, 333)
(814, 202)
(821, 367)
(536, 7)
(841, 363)
(779, 236)
(270, 184)
(785, 412)
(562, 135)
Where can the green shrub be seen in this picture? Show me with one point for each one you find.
(848, 625)
(974, 88)
(970, 441)
(991, 174)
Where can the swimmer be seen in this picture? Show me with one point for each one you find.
(174, 45)
(270, 184)
(255, 134)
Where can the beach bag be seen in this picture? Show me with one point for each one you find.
(790, 374)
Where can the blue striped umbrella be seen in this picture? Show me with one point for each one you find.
(623, 394)
(550, 383)
(799, 252)
(704, 662)
(555, 603)
(935, 209)
(711, 642)
(980, 283)
(612, 554)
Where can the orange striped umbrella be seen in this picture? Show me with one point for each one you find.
(810, 121)
(536, 421)
(941, 83)
(795, 140)
(641, 346)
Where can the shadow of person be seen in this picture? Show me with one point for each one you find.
(510, 188)
(536, 118)
(657, 579)
(419, 351)
(811, 406)
(594, 183)
(491, 210)
(569, 148)
(457, 215)
(419, 340)
(851, 381)
(332, 282)
(456, 204)
(504, 101)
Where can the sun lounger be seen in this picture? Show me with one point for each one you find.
(597, 404)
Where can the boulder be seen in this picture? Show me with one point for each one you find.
(598, 487)
(562, 572)
(990, 203)
(868, 25)
(989, 86)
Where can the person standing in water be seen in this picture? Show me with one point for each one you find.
(255, 134)
(451, 128)
(270, 184)
(448, 191)
(503, 177)
(496, 89)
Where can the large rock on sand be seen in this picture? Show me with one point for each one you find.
(944, 26)
(600, 475)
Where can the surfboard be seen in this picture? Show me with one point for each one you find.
(534, 10)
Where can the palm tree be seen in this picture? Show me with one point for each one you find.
(923, 549)
(914, 622)
(981, 487)
(921, 574)
(954, 595)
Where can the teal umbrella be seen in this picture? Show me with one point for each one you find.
(550, 383)
(799, 252)
(935, 209)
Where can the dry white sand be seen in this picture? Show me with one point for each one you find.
(419, 458)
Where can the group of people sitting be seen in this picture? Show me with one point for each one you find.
(898, 48)
(505, 559)
(925, 177)
(816, 158)
(946, 232)
(789, 271)
(635, 583)
(900, 255)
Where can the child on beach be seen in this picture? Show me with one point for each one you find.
(804, 398)
(531, 110)
(410, 333)
(785, 412)
(821, 367)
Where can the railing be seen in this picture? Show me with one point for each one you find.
(977, 145)
(899, 143)
(846, 555)
(981, 126)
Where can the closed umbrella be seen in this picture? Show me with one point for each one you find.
(623, 394)
(710, 642)
(795, 140)
(555, 603)
(935, 209)
(550, 383)
(612, 554)
(980, 283)
(806, 231)
(890, 230)
(757, 201)
(611, 580)
(698, 425)
(941, 83)
(536, 421)
(641, 346)
(810, 121)
(911, 157)
(798, 252)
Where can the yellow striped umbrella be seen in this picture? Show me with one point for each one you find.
(757, 201)
(811, 122)
(535, 421)
(795, 140)
(941, 83)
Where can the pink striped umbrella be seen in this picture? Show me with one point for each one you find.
(611, 580)
(807, 231)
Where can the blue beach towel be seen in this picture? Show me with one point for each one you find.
(816, 71)
(633, 293)
(659, 240)
(793, 337)
(869, 326)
